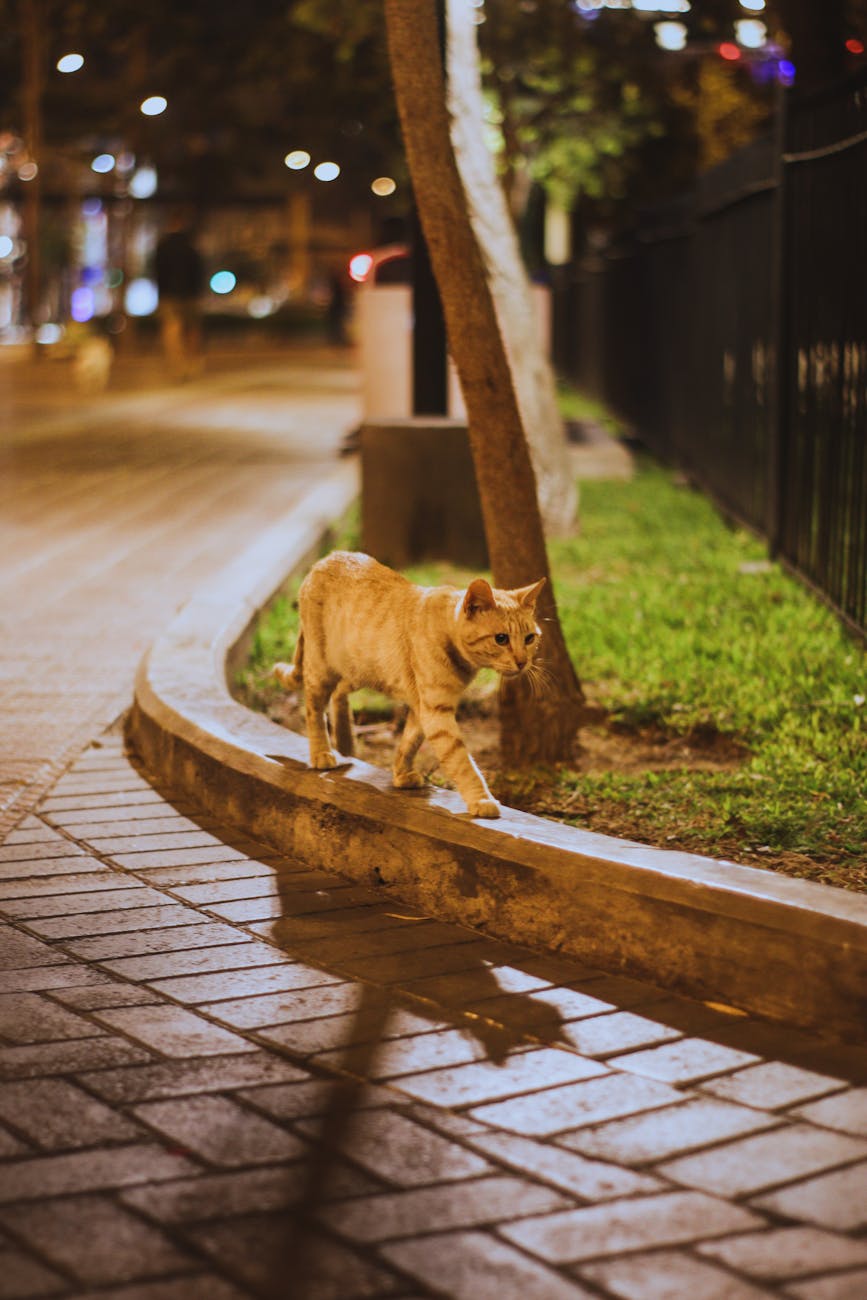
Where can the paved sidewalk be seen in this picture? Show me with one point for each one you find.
(112, 512)
(225, 1075)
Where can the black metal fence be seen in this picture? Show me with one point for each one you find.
(730, 332)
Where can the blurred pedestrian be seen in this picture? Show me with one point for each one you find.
(338, 309)
(180, 276)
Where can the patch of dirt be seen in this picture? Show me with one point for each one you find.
(604, 746)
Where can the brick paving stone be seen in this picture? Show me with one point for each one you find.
(618, 1031)
(544, 1011)
(476, 1266)
(180, 1078)
(226, 958)
(248, 1191)
(287, 1007)
(169, 877)
(116, 922)
(54, 1114)
(87, 1171)
(686, 1061)
(839, 1286)
(226, 986)
(37, 833)
(95, 1240)
(110, 994)
(173, 1031)
(835, 1200)
(772, 1084)
(132, 813)
(751, 1164)
(391, 937)
(20, 951)
(847, 1112)
(10, 1146)
(221, 891)
(306, 930)
(133, 943)
(85, 894)
(260, 1251)
(436, 1209)
(202, 1286)
(67, 1056)
(668, 1275)
(221, 1131)
(27, 853)
(425, 1051)
(397, 1149)
(56, 804)
(787, 1252)
(24, 1276)
(50, 867)
(566, 1108)
(140, 861)
(33, 1018)
(473, 987)
(592, 1180)
(160, 821)
(672, 1219)
(451, 1123)
(403, 966)
(113, 845)
(49, 978)
(291, 1101)
(697, 1122)
(465, 1085)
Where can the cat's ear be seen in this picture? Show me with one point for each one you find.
(527, 596)
(479, 596)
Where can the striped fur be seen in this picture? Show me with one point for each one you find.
(362, 624)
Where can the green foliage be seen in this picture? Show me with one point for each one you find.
(678, 623)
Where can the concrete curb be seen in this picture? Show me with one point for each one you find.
(791, 950)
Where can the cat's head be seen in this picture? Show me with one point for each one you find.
(498, 629)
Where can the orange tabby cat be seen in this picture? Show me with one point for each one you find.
(365, 625)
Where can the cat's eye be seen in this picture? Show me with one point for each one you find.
(501, 638)
(531, 636)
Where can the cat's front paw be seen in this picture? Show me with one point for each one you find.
(324, 759)
(484, 808)
(408, 780)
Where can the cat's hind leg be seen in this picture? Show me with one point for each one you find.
(341, 719)
(404, 775)
(317, 692)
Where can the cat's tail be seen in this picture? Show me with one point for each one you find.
(289, 675)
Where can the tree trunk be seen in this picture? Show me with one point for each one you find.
(513, 299)
(531, 730)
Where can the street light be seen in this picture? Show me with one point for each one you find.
(154, 105)
(670, 36)
(70, 63)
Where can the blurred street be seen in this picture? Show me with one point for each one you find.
(113, 508)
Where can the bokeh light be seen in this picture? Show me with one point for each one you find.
(326, 171)
(751, 33)
(754, 6)
(154, 105)
(50, 333)
(670, 36)
(260, 306)
(223, 282)
(81, 304)
(297, 160)
(28, 171)
(70, 63)
(102, 163)
(141, 297)
(360, 266)
(383, 186)
(143, 183)
(6, 246)
(728, 50)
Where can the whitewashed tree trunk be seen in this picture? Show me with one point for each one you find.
(516, 310)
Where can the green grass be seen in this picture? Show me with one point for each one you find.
(679, 625)
(678, 622)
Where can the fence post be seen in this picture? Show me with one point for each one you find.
(779, 431)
